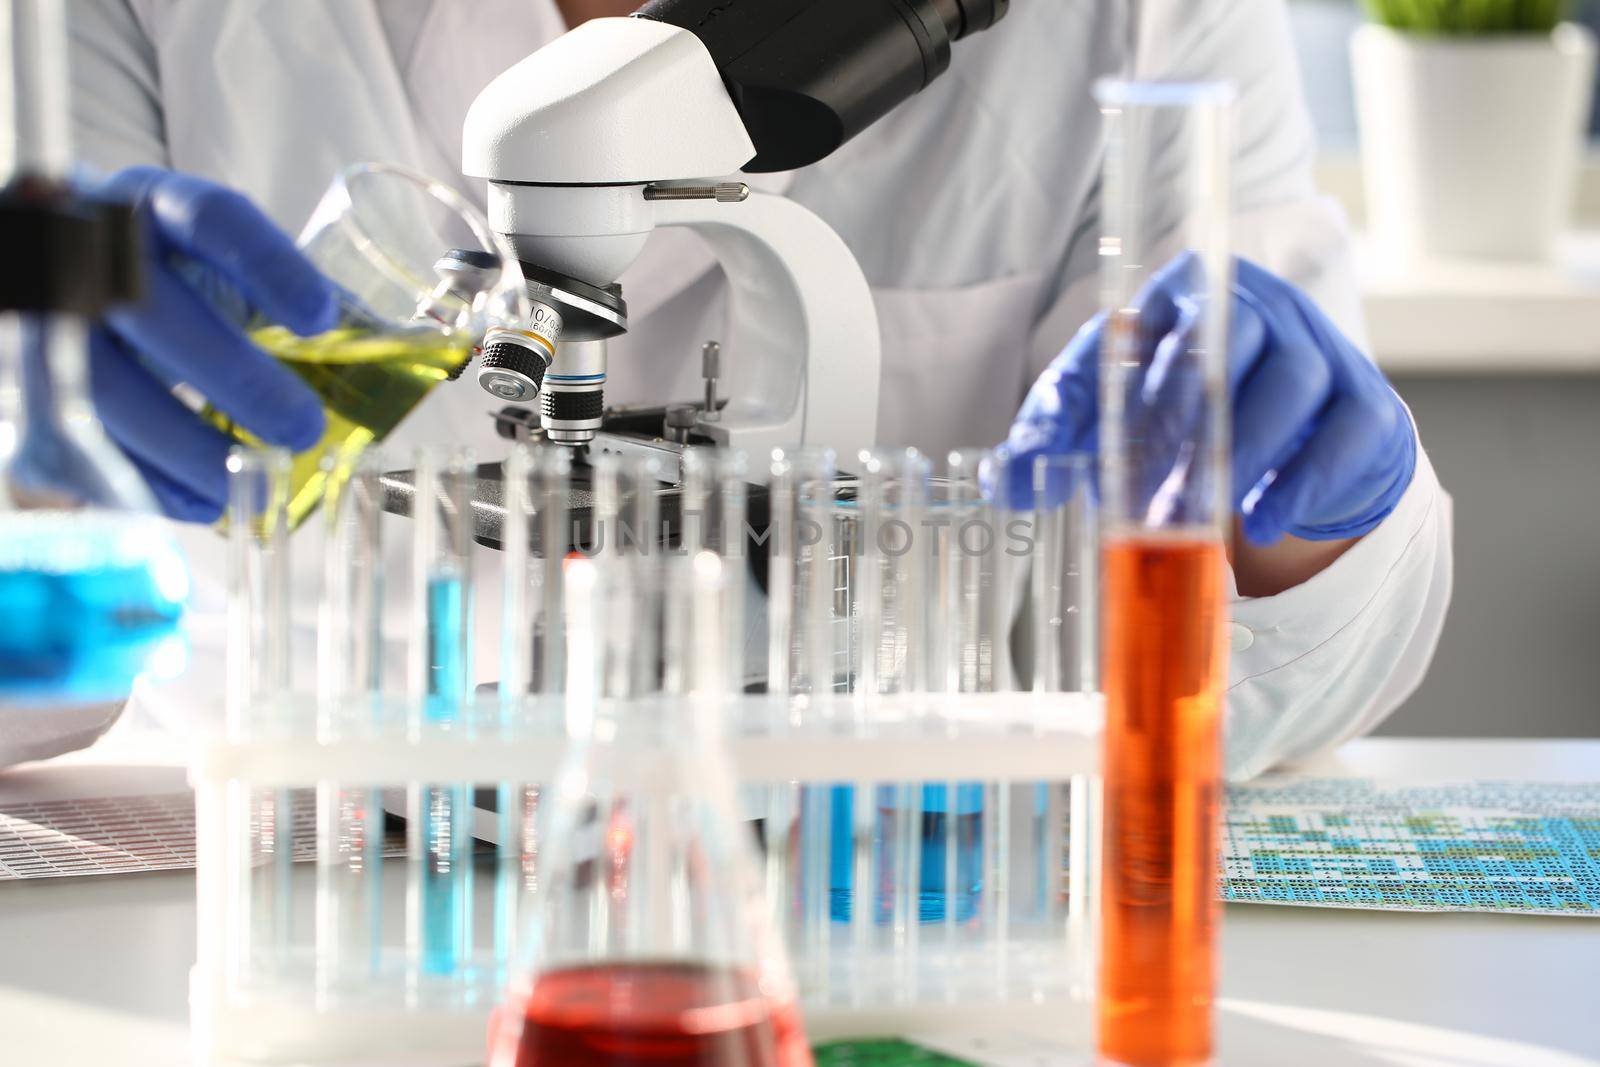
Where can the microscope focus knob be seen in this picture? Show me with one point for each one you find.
(513, 365)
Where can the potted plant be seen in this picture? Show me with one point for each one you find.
(1473, 116)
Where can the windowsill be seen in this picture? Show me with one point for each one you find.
(1460, 316)
(1338, 175)
(1480, 316)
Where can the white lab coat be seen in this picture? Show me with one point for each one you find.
(972, 209)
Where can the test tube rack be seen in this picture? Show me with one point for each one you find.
(854, 980)
(997, 931)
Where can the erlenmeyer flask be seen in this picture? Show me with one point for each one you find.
(91, 585)
(650, 941)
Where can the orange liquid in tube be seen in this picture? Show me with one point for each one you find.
(1165, 669)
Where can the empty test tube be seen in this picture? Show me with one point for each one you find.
(259, 683)
(1064, 572)
(349, 913)
(532, 660)
(627, 536)
(713, 516)
(439, 839)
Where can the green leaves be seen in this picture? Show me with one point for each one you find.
(1467, 17)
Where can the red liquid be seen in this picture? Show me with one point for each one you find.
(647, 1015)
(1164, 675)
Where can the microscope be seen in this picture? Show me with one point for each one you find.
(624, 125)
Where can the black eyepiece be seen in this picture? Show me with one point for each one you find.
(962, 18)
(808, 75)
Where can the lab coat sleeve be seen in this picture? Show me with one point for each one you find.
(1331, 658)
(116, 88)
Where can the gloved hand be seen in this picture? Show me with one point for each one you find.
(195, 229)
(1322, 447)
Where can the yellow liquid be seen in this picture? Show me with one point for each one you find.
(368, 380)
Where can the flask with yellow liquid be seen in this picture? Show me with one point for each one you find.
(422, 279)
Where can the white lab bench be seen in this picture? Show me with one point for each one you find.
(95, 970)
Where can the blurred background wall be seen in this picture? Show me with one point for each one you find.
(1518, 449)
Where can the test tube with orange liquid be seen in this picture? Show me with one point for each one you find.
(1164, 448)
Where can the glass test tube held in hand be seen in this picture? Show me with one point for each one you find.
(422, 278)
(439, 816)
(1164, 441)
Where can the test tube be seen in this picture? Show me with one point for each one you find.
(1064, 576)
(972, 650)
(259, 683)
(532, 660)
(628, 537)
(349, 912)
(1164, 446)
(639, 645)
(438, 816)
(802, 641)
(713, 518)
(893, 625)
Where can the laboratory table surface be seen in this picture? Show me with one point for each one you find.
(95, 970)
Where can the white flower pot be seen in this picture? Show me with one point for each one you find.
(1470, 146)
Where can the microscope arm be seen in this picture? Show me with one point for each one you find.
(790, 383)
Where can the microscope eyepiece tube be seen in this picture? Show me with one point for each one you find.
(808, 75)
(965, 17)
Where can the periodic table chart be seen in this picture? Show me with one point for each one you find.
(1522, 847)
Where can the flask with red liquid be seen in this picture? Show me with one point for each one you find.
(650, 941)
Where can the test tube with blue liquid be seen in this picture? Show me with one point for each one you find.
(438, 815)
(807, 665)
(1064, 592)
(888, 560)
(350, 704)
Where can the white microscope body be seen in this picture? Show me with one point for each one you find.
(624, 125)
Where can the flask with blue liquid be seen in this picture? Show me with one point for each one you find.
(92, 586)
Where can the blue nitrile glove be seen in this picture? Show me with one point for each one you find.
(1322, 446)
(193, 230)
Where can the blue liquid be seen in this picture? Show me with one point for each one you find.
(932, 897)
(87, 600)
(446, 809)
(446, 878)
